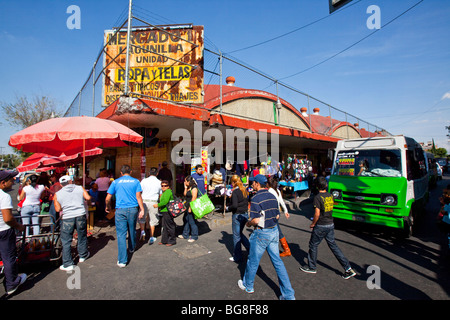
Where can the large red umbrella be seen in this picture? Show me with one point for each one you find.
(71, 135)
(42, 160)
(34, 161)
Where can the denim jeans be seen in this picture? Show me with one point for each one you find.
(68, 226)
(318, 234)
(29, 216)
(8, 253)
(260, 241)
(237, 224)
(126, 219)
(190, 226)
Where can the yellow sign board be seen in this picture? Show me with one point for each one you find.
(164, 63)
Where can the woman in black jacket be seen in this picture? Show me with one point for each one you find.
(239, 208)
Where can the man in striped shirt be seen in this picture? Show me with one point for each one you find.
(264, 214)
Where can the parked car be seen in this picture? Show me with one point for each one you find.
(439, 171)
(443, 163)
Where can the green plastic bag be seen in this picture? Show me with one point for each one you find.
(202, 206)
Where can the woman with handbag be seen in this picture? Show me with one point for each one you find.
(168, 225)
(239, 208)
(190, 225)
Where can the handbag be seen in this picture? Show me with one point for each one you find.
(202, 206)
(176, 207)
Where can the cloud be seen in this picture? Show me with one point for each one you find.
(446, 96)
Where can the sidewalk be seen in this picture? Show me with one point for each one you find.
(186, 271)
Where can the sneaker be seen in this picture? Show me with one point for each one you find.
(180, 236)
(242, 287)
(121, 265)
(23, 277)
(191, 240)
(348, 274)
(142, 236)
(152, 240)
(231, 259)
(308, 269)
(84, 259)
(69, 268)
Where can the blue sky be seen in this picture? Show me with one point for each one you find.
(398, 78)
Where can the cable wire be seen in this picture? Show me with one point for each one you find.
(354, 44)
(295, 30)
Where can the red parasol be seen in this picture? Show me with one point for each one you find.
(71, 135)
(42, 160)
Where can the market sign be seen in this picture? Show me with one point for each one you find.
(165, 63)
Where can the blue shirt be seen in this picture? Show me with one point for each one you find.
(200, 179)
(125, 189)
(264, 200)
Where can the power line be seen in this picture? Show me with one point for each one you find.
(295, 30)
(354, 44)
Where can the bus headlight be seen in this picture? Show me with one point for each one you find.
(337, 194)
(388, 199)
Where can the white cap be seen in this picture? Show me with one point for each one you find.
(65, 179)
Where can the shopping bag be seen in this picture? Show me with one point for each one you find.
(202, 206)
(176, 207)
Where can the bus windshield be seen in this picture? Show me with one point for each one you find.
(368, 163)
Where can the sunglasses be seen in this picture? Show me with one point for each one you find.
(164, 185)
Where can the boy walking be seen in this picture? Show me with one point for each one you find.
(322, 227)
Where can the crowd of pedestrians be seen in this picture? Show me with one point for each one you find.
(144, 203)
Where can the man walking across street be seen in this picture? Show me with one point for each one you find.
(69, 201)
(323, 227)
(8, 235)
(264, 215)
(151, 189)
(129, 206)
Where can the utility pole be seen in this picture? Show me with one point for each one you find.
(127, 61)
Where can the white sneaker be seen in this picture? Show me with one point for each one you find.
(121, 265)
(142, 236)
(84, 259)
(152, 240)
(69, 268)
(191, 240)
(23, 277)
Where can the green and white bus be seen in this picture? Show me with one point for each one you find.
(381, 180)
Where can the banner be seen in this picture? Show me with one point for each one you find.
(164, 63)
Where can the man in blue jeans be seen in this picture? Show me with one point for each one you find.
(8, 225)
(69, 201)
(264, 214)
(323, 227)
(129, 206)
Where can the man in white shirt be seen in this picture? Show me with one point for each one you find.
(151, 189)
(7, 234)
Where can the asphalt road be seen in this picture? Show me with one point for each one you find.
(414, 268)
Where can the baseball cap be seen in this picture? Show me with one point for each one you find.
(262, 180)
(65, 179)
(7, 174)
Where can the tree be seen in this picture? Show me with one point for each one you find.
(440, 153)
(24, 113)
